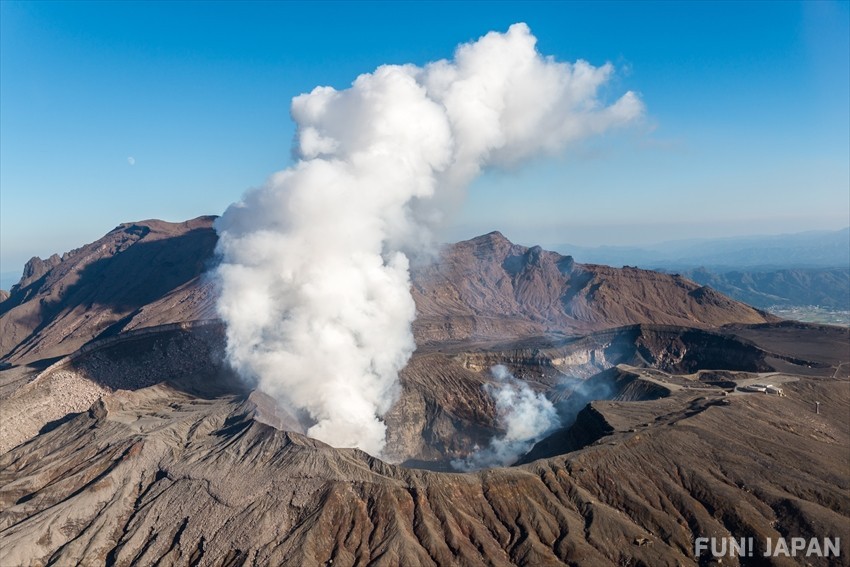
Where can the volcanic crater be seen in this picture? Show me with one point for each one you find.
(127, 439)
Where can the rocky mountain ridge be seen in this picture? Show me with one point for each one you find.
(125, 439)
(152, 273)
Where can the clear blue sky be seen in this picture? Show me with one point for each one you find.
(748, 127)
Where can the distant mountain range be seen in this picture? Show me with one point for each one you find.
(815, 249)
(824, 287)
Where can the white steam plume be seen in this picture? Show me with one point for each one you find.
(525, 415)
(314, 277)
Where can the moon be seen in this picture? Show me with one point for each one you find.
(131, 160)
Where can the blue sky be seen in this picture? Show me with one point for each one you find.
(748, 125)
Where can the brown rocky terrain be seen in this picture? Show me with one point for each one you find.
(126, 440)
(138, 275)
(151, 273)
(186, 472)
(488, 288)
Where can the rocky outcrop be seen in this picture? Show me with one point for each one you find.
(488, 288)
(139, 274)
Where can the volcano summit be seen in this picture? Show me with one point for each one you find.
(311, 380)
(128, 440)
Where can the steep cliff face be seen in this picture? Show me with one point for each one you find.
(139, 274)
(488, 288)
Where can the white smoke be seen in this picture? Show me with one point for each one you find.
(525, 415)
(314, 283)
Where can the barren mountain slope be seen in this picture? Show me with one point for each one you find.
(443, 410)
(142, 448)
(488, 287)
(139, 274)
(171, 474)
(151, 273)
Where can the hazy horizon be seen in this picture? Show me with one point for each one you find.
(11, 274)
(115, 112)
